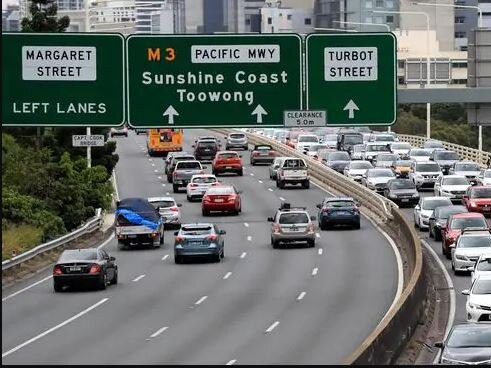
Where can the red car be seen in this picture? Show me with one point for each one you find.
(227, 161)
(478, 199)
(262, 153)
(455, 223)
(222, 198)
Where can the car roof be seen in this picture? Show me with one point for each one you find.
(203, 176)
(156, 199)
(228, 151)
(483, 276)
(188, 161)
(480, 187)
(471, 326)
(196, 225)
(453, 176)
(433, 197)
(466, 214)
(334, 199)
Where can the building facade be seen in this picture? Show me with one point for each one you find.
(278, 19)
(485, 6)
(11, 19)
(146, 14)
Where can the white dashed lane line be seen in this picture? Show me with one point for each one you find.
(136, 279)
(156, 171)
(243, 255)
(314, 271)
(246, 224)
(317, 235)
(201, 300)
(270, 189)
(227, 275)
(252, 174)
(301, 295)
(272, 327)
(165, 257)
(231, 362)
(260, 181)
(282, 199)
(249, 238)
(159, 331)
(159, 177)
(320, 251)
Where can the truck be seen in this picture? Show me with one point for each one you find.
(183, 173)
(292, 171)
(138, 223)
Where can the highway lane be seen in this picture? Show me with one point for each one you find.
(214, 312)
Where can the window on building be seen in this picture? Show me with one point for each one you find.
(459, 34)
(400, 64)
(308, 21)
(281, 14)
(460, 19)
(459, 64)
(389, 4)
(369, 4)
(289, 17)
(368, 20)
(248, 21)
(389, 19)
(270, 20)
(378, 20)
(379, 3)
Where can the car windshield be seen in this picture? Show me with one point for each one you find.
(195, 230)
(446, 155)
(481, 192)
(237, 136)
(462, 223)
(220, 191)
(164, 204)
(353, 139)
(205, 179)
(455, 181)
(228, 155)
(378, 148)
(402, 184)
(339, 204)
(182, 158)
(466, 167)
(293, 218)
(428, 167)
(358, 148)
(419, 152)
(78, 254)
(433, 144)
(445, 212)
(487, 174)
(317, 147)
(383, 138)
(380, 173)
(401, 146)
(469, 338)
(188, 165)
(330, 137)
(403, 163)
(209, 144)
(484, 265)
(360, 165)
(308, 138)
(294, 164)
(474, 241)
(482, 287)
(433, 203)
(387, 157)
(338, 156)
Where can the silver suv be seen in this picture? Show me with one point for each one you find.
(236, 140)
(292, 225)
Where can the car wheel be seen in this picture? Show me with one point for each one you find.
(189, 198)
(121, 245)
(438, 236)
(114, 281)
(205, 212)
(218, 258)
(241, 172)
(175, 188)
(311, 243)
(102, 282)
(161, 240)
(169, 178)
(275, 244)
(58, 288)
(306, 184)
(357, 226)
(281, 184)
(177, 259)
(223, 253)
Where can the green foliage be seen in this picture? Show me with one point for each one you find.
(17, 239)
(43, 18)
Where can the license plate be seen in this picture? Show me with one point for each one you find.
(207, 150)
(342, 213)
(405, 200)
(75, 269)
(131, 236)
(263, 154)
(219, 200)
(228, 167)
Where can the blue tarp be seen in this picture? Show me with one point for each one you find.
(139, 211)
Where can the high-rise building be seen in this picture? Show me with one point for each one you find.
(465, 20)
(327, 12)
(276, 18)
(485, 6)
(146, 14)
(63, 5)
(11, 19)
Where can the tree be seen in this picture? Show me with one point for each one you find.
(43, 18)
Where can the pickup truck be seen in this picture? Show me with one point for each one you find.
(137, 223)
(183, 173)
(293, 171)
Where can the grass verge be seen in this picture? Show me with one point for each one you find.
(17, 239)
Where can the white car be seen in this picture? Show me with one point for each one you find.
(469, 246)
(451, 186)
(356, 169)
(372, 149)
(485, 177)
(304, 141)
(482, 266)
(357, 152)
(168, 209)
(424, 209)
(385, 159)
(400, 148)
(419, 154)
(199, 184)
(376, 179)
(383, 137)
(424, 173)
(478, 304)
(469, 169)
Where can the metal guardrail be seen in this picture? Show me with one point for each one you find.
(467, 153)
(91, 225)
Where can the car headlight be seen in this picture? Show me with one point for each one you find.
(461, 257)
(212, 245)
(415, 195)
(392, 196)
(369, 157)
(179, 246)
(425, 216)
(473, 204)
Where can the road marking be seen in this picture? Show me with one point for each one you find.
(158, 332)
(270, 189)
(249, 238)
(272, 327)
(154, 165)
(85, 311)
(26, 288)
(260, 181)
(150, 160)
(227, 275)
(314, 271)
(167, 193)
(301, 295)
(138, 278)
(243, 255)
(163, 184)
(159, 177)
(282, 199)
(202, 299)
(165, 257)
(231, 362)
(246, 224)
(317, 235)
(320, 251)
(252, 174)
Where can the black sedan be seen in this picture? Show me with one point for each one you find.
(402, 192)
(338, 211)
(80, 266)
(336, 160)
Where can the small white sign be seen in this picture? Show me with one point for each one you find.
(210, 54)
(304, 118)
(350, 64)
(96, 140)
(59, 63)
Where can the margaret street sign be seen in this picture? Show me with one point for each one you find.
(231, 80)
(63, 79)
(353, 77)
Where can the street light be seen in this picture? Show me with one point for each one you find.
(366, 24)
(428, 105)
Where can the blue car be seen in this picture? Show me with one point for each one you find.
(199, 240)
(338, 211)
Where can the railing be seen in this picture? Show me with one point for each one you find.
(90, 226)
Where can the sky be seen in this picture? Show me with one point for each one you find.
(7, 2)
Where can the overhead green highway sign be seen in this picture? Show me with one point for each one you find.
(353, 77)
(192, 81)
(63, 79)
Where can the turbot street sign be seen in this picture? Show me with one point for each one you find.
(213, 81)
(63, 79)
(353, 77)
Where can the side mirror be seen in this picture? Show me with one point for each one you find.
(222, 232)
(465, 196)
(117, 203)
(466, 292)
(358, 204)
(179, 205)
(270, 219)
(176, 233)
(438, 344)
(112, 259)
(319, 205)
(313, 218)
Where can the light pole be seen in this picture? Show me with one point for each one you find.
(428, 105)
(365, 24)
(479, 25)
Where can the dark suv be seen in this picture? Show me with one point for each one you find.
(346, 140)
(205, 150)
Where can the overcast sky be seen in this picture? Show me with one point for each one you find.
(6, 2)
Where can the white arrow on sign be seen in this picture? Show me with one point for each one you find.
(170, 112)
(351, 106)
(259, 112)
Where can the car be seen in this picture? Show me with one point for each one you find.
(478, 199)
(383, 137)
(336, 160)
(262, 153)
(330, 140)
(454, 226)
(236, 140)
(292, 225)
(446, 159)
(356, 152)
(82, 266)
(207, 138)
(424, 174)
(279, 135)
(402, 168)
(205, 149)
(346, 139)
(338, 211)
(478, 305)
(438, 219)
(199, 240)
(466, 343)
(423, 210)
(376, 179)
(484, 177)
(118, 131)
(356, 169)
(469, 246)
(419, 154)
(221, 198)
(304, 141)
(313, 150)
(227, 161)
(139, 131)
(400, 148)
(451, 186)
(372, 149)
(199, 184)
(432, 144)
(175, 158)
(169, 209)
(385, 160)
(184, 171)
(273, 168)
(481, 267)
(469, 169)
(402, 192)
(293, 171)
(291, 138)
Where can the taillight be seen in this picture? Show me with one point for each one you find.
(255, 154)
(174, 173)
(194, 185)
(206, 198)
(231, 198)
(326, 210)
(95, 268)
(271, 153)
(179, 239)
(276, 228)
(311, 228)
(282, 172)
(212, 237)
(202, 172)
(57, 270)
(174, 209)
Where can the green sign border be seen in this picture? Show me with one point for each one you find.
(351, 35)
(229, 35)
(28, 34)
